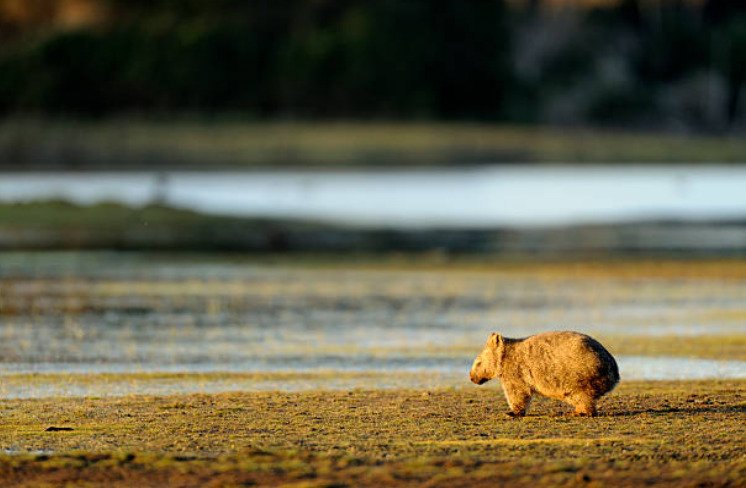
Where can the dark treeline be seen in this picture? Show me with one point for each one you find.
(679, 65)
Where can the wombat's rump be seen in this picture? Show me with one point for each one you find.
(567, 366)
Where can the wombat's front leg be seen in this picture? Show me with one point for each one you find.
(518, 399)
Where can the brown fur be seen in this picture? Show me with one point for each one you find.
(567, 366)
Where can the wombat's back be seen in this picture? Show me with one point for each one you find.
(558, 364)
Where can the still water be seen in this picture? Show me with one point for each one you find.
(477, 197)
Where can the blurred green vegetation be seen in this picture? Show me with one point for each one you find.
(635, 64)
(147, 144)
(63, 225)
(59, 224)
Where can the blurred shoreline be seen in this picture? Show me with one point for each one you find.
(64, 226)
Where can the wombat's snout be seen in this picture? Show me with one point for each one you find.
(476, 380)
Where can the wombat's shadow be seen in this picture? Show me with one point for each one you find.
(548, 409)
(666, 410)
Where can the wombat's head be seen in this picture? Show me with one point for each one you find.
(489, 362)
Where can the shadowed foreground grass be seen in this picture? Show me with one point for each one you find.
(669, 434)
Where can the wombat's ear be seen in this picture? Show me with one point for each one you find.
(495, 339)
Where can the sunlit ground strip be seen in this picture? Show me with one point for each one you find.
(157, 380)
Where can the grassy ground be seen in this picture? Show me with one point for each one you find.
(137, 143)
(77, 308)
(664, 434)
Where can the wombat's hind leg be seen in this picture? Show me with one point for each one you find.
(585, 405)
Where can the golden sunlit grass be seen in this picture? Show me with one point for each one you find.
(661, 433)
(40, 385)
(613, 268)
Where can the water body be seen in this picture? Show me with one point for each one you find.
(479, 197)
(404, 373)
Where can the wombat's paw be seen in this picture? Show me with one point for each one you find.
(514, 415)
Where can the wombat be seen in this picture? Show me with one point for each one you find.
(567, 366)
